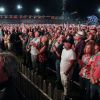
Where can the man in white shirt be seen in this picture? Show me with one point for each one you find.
(68, 58)
(34, 50)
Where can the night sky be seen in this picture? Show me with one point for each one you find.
(52, 7)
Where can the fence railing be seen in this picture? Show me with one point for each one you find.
(33, 87)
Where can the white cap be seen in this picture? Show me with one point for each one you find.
(80, 33)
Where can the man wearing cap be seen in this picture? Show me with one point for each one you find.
(79, 47)
(79, 50)
(68, 58)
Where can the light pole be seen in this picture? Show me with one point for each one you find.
(99, 14)
(19, 8)
(63, 12)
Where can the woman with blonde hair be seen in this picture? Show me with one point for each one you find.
(85, 70)
(42, 54)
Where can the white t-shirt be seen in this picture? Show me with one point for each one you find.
(34, 50)
(66, 56)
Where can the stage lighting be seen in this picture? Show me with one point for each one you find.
(2, 9)
(99, 10)
(38, 10)
(19, 7)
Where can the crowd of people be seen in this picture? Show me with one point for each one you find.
(72, 50)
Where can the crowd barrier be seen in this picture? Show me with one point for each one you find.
(33, 87)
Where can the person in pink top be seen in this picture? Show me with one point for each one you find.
(85, 71)
(95, 74)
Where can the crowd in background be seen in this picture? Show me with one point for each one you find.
(72, 50)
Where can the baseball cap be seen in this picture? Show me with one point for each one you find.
(80, 33)
(71, 41)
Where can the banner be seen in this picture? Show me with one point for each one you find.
(92, 20)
